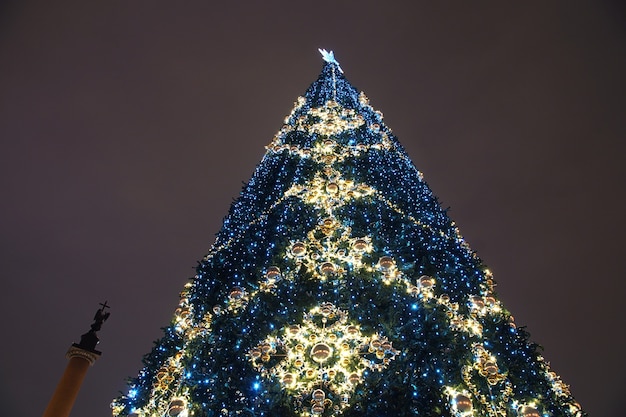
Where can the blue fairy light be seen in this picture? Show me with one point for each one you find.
(433, 327)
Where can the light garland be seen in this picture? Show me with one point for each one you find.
(322, 360)
(321, 213)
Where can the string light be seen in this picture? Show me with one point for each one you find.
(338, 283)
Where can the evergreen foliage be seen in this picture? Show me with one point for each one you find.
(339, 286)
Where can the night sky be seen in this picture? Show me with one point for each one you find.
(127, 129)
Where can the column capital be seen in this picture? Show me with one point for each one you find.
(76, 351)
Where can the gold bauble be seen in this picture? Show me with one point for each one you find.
(236, 293)
(478, 301)
(327, 268)
(386, 263)
(321, 352)
(273, 272)
(528, 411)
(288, 379)
(360, 245)
(490, 368)
(298, 249)
(354, 379)
(426, 282)
(176, 407)
(318, 395)
(317, 409)
(463, 403)
(332, 188)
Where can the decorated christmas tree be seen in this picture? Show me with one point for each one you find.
(339, 286)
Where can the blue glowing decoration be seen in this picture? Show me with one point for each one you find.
(339, 286)
(329, 56)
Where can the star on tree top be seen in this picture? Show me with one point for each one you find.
(329, 56)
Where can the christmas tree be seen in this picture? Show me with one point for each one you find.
(339, 286)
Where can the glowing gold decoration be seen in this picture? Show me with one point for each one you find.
(330, 119)
(463, 404)
(460, 402)
(528, 411)
(329, 191)
(298, 249)
(484, 305)
(495, 399)
(237, 299)
(486, 365)
(323, 359)
(177, 408)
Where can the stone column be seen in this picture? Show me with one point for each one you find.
(64, 396)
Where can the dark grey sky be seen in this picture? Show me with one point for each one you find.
(128, 127)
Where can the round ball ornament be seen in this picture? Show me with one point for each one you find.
(321, 352)
(332, 188)
(318, 395)
(528, 411)
(327, 268)
(463, 403)
(426, 282)
(354, 379)
(288, 379)
(490, 368)
(328, 223)
(360, 245)
(183, 313)
(386, 263)
(273, 272)
(478, 301)
(177, 408)
(317, 409)
(236, 293)
(298, 249)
